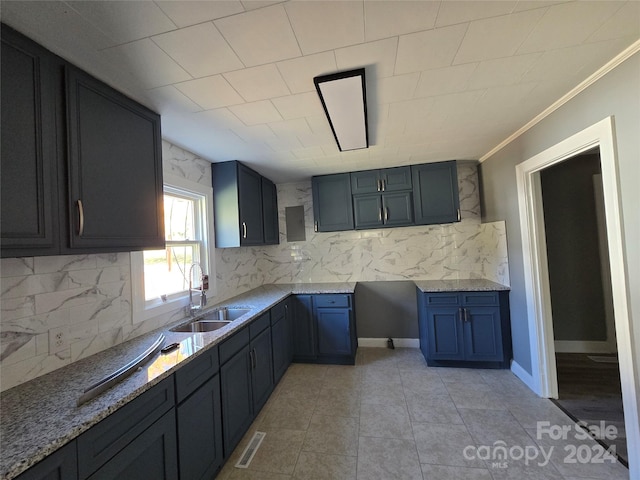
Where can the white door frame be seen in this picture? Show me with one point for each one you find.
(545, 381)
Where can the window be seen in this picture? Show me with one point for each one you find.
(160, 278)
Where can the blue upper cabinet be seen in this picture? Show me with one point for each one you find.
(382, 198)
(332, 207)
(384, 180)
(245, 206)
(435, 193)
(390, 197)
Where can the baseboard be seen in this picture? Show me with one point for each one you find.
(382, 342)
(523, 375)
(578, 346)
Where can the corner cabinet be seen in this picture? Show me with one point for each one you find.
(332, 205)
(324, 329)
(115, 168)
(435, 193)
(469, 329)
(245, 206)
(81, 163)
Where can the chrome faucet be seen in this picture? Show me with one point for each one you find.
(201, 290)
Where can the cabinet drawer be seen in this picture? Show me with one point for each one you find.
(324, 301)
(259, 325)
(233, 344)
(196, 372)
(278, 311)
(451, 299)
(99, 444)
(480, 298)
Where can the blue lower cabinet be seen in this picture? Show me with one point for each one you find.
(153, 454)
(282, 346)
(237, 398)
(126, 430)
(444, 334)
(200, 450)
(324, 329)
(470, 329)
(60, 465)
(261, 369)
(305, 347)
(246, 379)
(334, 331)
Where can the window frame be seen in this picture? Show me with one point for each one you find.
(143, 309)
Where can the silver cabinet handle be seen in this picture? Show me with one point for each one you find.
(460, 314)
(244, 230)
(386, 214)
(379, 182)
(458, 214)
(315, 226)
(384, 184)
(380, 215)
(81, 218)
(466, 315)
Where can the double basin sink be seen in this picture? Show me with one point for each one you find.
(210, 321)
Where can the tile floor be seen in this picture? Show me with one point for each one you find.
(391, 417)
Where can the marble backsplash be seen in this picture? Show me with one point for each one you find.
(87, 298)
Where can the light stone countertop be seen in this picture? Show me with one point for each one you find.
(469, 285)
(40, 416)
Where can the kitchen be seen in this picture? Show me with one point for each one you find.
(323, 258)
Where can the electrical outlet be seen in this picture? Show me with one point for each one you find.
(58, 339)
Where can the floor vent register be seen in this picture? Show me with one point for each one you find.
(250, 451)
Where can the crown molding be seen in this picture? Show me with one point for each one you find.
(593, 78)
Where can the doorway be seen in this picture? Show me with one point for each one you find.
(544, 379)
(580, 291)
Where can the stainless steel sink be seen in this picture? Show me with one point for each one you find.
(224, 313)
(212, 320)
(200, 326)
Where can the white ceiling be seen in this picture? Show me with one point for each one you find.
(234, 79)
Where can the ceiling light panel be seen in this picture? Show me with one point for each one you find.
(343, 97)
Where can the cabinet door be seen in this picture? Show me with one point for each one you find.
(367, 181)
(151, 455)
(270, 212)
(279, 343)
(250, 200)
(444, 334)
(237, 399)
(60, 465)
(332, 205)
(200, 432)
(367, 211)
(304, 329)
(334, 331)
(482, 334)
(28, 220)
(435, 193)
(102, 442)
(395, 179)
(115, 168)
(262, 369)
(397, 209)
(422, 322)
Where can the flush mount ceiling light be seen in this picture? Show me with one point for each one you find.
(343, 96)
